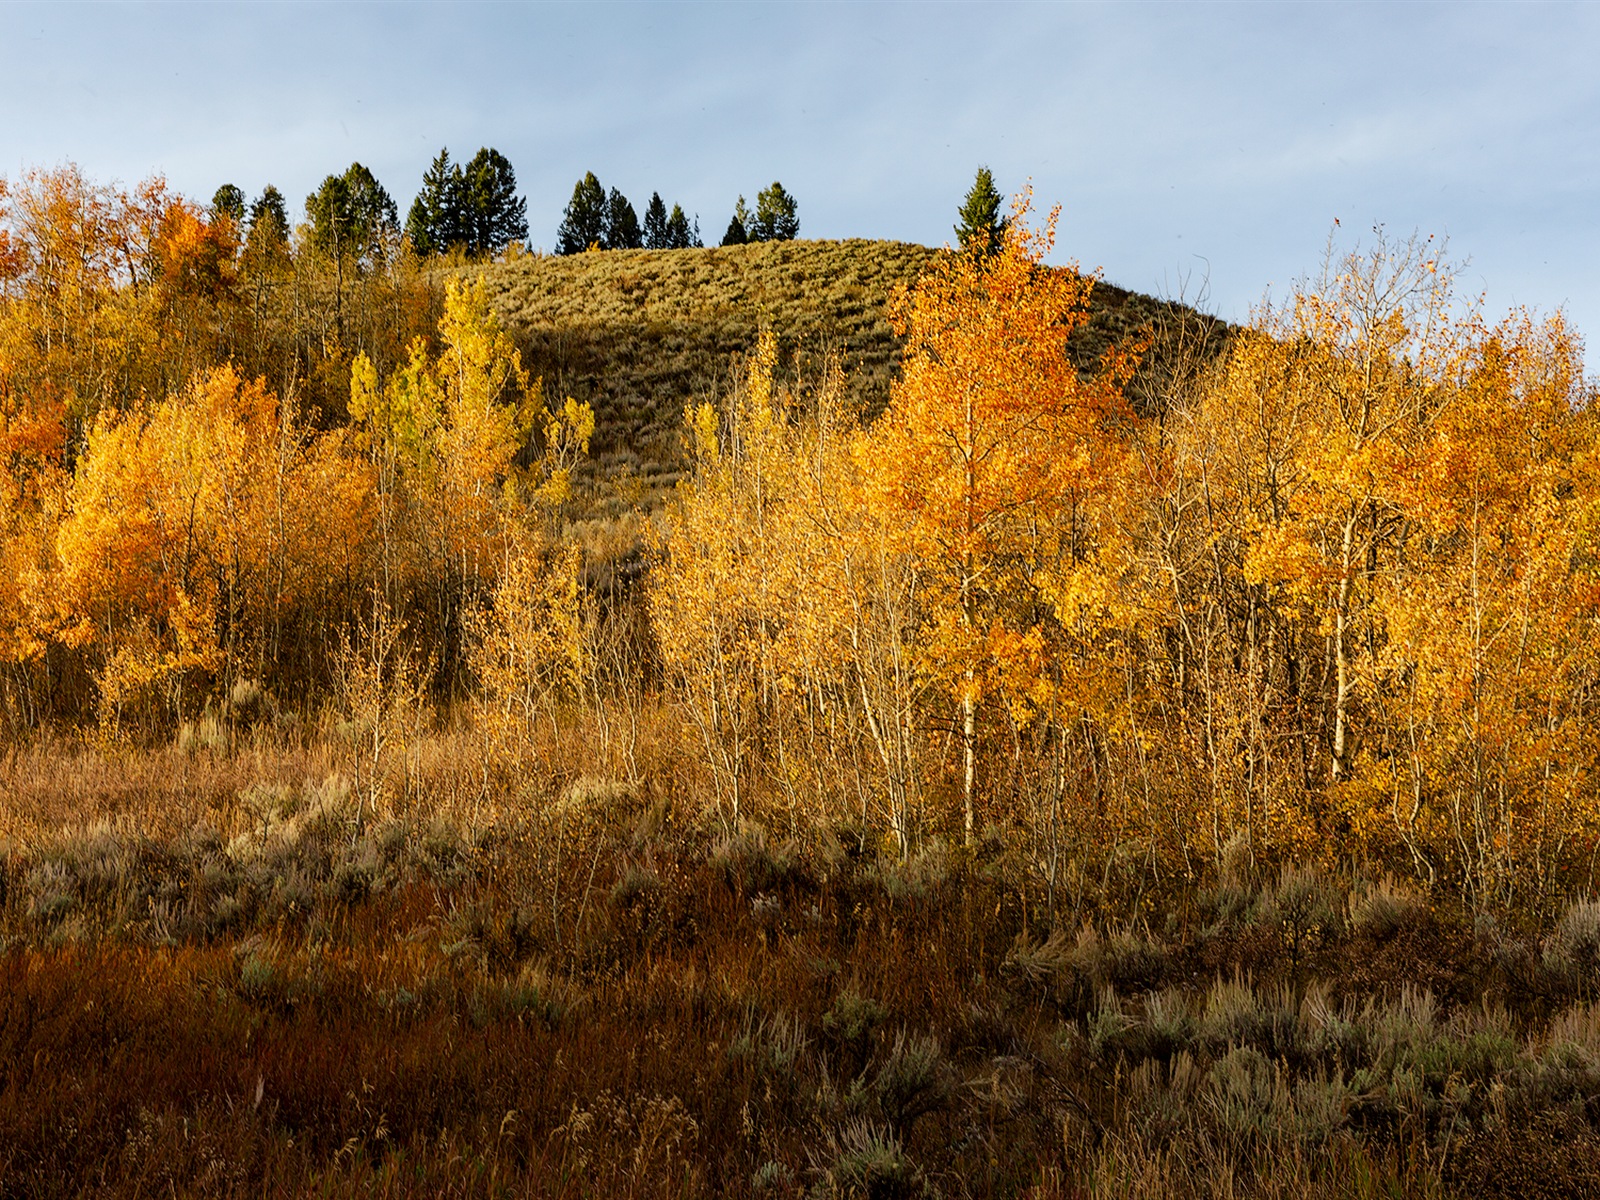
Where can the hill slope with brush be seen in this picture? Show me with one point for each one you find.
(640, 333)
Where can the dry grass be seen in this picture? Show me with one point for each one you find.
(236, 974)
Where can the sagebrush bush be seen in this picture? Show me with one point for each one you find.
(867, 1160)
(1381, 909)
(1572, 950)
(1303, 907)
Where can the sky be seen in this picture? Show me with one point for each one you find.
(1197, 150)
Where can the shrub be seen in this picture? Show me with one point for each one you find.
(1125, 960)
(1169, 1024)
(749, 864)
(1237, 1014)
(914, 1079)
(636, 887)
(853, 1018)
(868, 1160)
(1303, 907)
(1572, 951)
(1246, 1095)
(773, 1046)
(772, 1177)
(1039, 964)
(1382, 909)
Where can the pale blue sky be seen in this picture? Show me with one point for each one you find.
(1184, 140)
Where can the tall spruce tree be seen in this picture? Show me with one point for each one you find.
(475, 207)
(352, 217)
(775, 215)
(266, 244)
(738, 232)
(622, 224)
(584, 223)
(495, 215)
(678, 236)
(269, 218)
(228, 201)
(436, 220)
(655, 224)
(982, 228)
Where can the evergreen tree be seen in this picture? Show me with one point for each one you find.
(269, 218)
(228, 201)
(655, 224)
(475, 207)
(328, 211)
(584, 223)
(495, 215)
(982, 228)
(436, 220)
(677, 232)
(622, 224)
(352, 216)
(775, 216)
(266, 244)
(738, 226)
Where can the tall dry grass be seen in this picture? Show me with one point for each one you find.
(229, 972)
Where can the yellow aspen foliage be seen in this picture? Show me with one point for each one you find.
(1006, 466)
(460, 521)
(714, 607)
(527, 645)
(161, 554)
(1481, 684)
(111, 295)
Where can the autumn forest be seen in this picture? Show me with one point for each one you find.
(987, 745)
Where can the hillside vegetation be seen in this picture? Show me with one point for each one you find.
(640, 334)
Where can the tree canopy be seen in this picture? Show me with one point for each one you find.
(622, 224)
(475, 207)
(738, 231)
(228, 201)
(680, 234)
(352, 216)
(982, 227)
(655, 224)
(584, 222)
(775, 216)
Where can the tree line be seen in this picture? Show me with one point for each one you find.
(597, 219)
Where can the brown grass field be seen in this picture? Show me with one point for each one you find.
(247, 970)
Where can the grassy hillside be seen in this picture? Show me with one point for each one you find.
(639, 333)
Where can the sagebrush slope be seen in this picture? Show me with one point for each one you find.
(640, 333)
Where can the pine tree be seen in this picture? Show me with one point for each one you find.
(475, 207)
(495, 215)
(435, 222)
(228, 201)
(584, 223)
(622, 224)
(269, 219)
(678, 235)
(775, 216)
(982, 228)
(738, 226)
(656, 234)
(352, 216)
